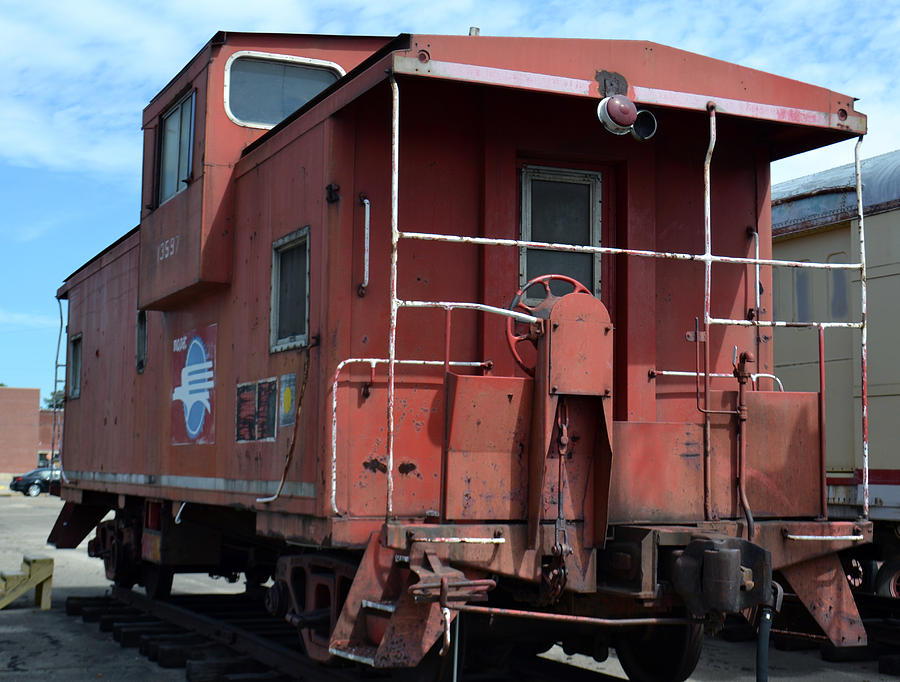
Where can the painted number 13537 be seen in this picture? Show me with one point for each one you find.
(168, 247)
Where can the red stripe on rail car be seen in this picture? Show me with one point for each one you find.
(876, 477)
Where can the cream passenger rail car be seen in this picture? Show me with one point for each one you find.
(814, 218)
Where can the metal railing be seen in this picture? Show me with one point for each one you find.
(707, 258)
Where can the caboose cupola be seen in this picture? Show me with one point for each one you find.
(235, 89)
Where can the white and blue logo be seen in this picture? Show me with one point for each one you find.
(197, 380)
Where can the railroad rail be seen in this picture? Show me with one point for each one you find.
(214, 637)
(794, 630)
(226, 638)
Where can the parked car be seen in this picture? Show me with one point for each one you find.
(35, 482)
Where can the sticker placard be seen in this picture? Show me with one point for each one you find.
(287, 398)
(256, 408)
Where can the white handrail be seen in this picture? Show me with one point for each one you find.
(864, 352)
(716, 375)
(461, 305)
(614, 251)
(365, 283)
(395, 240)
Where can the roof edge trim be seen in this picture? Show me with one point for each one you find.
(64, 288)
(853, 123)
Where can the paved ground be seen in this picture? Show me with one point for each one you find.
(49, 645)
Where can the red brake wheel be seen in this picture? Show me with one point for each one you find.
(542, 309)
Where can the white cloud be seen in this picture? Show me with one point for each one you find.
(13, 321)
(77, 75)
(28, 232)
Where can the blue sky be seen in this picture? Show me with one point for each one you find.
(75, 77)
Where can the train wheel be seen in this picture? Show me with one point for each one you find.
(887, 581)
(120, 567)
(255, 579)
(157, 580)
(861, 573)
(660, 653)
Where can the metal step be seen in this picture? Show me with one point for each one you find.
(359, 653)
(383, 606)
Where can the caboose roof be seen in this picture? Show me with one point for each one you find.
(273, 39)
(795, 116)
(800, 116)
(117, 248)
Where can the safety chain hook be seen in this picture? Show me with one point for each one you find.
(445, 620)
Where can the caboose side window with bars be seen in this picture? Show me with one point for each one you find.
(562, 207)
(289, 323)
(176, 148)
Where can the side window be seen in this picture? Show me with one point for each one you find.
(561, 207)
(803, 311)
(140, 351)
(289, 322)
(262, 89)
(838, 290)
(176, 148)
(782, 296)
(74, 379)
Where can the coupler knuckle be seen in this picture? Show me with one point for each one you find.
(722, 575)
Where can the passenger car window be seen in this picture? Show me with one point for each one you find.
(838, 290)
(261, 89)
(290, 291)
(563, 207)
(803, 295)
(176, 148)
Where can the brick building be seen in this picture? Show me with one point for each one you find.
(49, 436)
(26, 431)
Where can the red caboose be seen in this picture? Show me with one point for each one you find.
(407, 328)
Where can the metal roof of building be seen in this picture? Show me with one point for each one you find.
(830, 196)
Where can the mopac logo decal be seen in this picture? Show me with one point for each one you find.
(193, 387)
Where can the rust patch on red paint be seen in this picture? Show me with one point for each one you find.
(375, 466)
(611, 83)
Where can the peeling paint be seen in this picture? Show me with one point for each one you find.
(375, 466)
